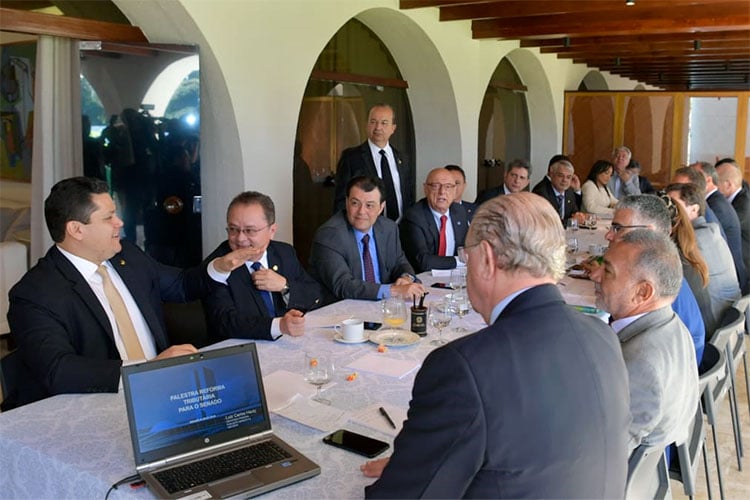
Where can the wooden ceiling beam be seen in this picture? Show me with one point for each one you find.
(418, 4)
(648, 48)
(691, 19)
(579, 41)
(22, 21)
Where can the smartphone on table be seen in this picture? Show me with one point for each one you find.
(356, 443)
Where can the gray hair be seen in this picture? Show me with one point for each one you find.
(622, 148)
(560, 164)
(648, 209)
(708, 170)
(658, 261)
(525, 234)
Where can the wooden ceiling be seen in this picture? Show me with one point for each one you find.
(675, 45)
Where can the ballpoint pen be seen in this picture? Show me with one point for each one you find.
(387, 417)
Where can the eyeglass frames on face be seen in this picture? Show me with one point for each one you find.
(436, 186)
(248, 231)
(616, 228)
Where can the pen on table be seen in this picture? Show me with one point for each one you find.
(387, 417)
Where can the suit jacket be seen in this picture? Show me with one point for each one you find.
(730, 223)
(572, 201)
(470, 208)
(533, 406)
(335, 258)
(357, 161)
(663, 376)
(237, 310)
(63, 333)
(632, 187)
(420, 236)
(488, 194)
(741, 205)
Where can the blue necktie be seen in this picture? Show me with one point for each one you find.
(561, 205)
(265, 294)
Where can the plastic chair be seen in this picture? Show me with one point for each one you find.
(647, 474)
(688, 455)
(742, 305)
(714, 384)
(726, 338)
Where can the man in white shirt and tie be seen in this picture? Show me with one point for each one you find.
(434, 228)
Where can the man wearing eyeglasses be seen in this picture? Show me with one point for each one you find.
(268, 296)
(377, 158)
(434, 228)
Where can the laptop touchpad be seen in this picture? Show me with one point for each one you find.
(234, 485)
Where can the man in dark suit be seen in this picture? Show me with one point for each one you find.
(434, 228)
(727, 217)
(656, 346)
(731, 187)
(459, 177)
(242, 309)
(94, 301)
(546, 180)
(370, 158)
(515, 180)
(492, 414)
(356, 254)
(561, 191)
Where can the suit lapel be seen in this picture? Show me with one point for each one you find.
(460, 224)
(135, 281)
(432, 227)
(367, 159)
(243, 290)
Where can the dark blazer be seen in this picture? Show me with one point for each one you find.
(730, 223)
(357, 161)
(488, 194)
(533, 406)
(572, 201)
(62, 331)
(741, 205)
(420, 236)
(335, 259)
(470, 208)
(237, 310)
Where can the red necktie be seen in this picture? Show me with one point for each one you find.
(443, 241)
(367, 259)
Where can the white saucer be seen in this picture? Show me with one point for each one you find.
(341, 340)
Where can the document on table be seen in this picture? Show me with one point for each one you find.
(371, 417)
(384, 365)
(313, 414)
(282, 386)
(441, 273)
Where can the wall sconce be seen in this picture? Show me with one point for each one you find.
(629, 3)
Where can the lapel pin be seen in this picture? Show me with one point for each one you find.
(275, 267)
(122, 262)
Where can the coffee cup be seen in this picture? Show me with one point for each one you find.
(351, 329)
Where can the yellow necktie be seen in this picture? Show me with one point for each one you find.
(122, 318)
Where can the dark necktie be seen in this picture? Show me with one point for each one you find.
(367, 259)
(442, 243)
(267, 298)
(561, 205)
(391, 201)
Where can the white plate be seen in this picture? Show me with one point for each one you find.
(341, 340)
(395, 338)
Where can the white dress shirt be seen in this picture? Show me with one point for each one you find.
(375, 151)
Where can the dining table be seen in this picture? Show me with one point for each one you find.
(78, 445)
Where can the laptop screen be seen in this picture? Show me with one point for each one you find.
(179, 405)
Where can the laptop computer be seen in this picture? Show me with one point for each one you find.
(197, 420)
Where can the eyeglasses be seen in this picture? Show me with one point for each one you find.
(463, 252)
(616, 228)
(248, 231)
(436, 186)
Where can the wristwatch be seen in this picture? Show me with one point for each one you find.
(285, 290)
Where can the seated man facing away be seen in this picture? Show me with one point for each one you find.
(533, 406)
(434, 228)
(94, 301)
(269, 295)
(356, 254)
(636, 284)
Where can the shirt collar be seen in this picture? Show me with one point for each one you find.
(263, 261)
(621, 323)
(84, 266)
(375, 149)
(500, 307)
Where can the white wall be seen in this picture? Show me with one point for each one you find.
(256, 57)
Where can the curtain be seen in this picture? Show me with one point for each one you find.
(57, 145)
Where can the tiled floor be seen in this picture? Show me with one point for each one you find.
(736, 483)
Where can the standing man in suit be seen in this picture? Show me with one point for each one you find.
(515, 180)
(722, 209)
(434, 228)
(371, 159)
(730, 186)
(268, 296)
(623, 182)
(356, 254)
(656, 346)
(94, 301)
(561, 191)
(459, 177)
(467, 435)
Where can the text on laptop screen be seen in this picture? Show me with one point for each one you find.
(195, 400)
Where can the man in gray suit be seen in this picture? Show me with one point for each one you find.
(356, 254)
(624, 182)
(656, 346)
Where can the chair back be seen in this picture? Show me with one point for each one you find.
(688, 453)
(713, 381)
(647, 474)
(732, 324)
(743, 305)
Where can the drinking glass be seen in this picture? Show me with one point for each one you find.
(461, 252)
(458, 278)
(318, 371)
(591, 220)
(572, 244)
(572, 224)
(460, 307)
(439, 317)
(394, 312)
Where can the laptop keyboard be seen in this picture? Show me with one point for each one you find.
(221, 466)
